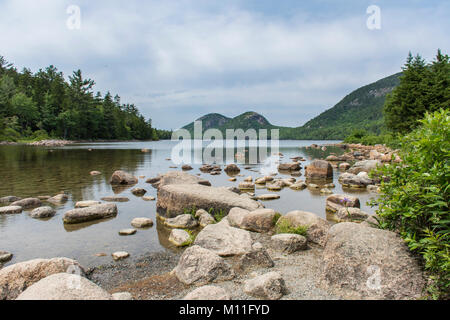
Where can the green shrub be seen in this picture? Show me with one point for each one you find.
(191, 240)
(284, 226)
(415, 202)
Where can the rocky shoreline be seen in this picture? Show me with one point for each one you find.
(235, 248)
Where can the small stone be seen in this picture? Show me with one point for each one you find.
(267, 197)
(127, 232)
(326, 191)
(268, 286)
(206, 219)
(148, 198)
(139, 192)
(95, 173)
(85, 204)
(180, 238)
(5, 256)
(27, 203)
(126, 296)
(58, 199)
(208, 293)
(184, 221)
(10, 210)
(115, 199)
(120, 255)
(9, 199)
(142, 223)
(43, 212)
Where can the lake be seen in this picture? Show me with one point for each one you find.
(35, 171)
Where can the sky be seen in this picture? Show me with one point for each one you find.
(289, 60)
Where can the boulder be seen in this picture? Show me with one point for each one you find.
(206, 219)
(261, 220)
(127, 232)
(64, 286)
(319, 169)
(299, 186)
(224, 240)
(10, 210)
(176, 178)
(59, 198)
(174, 199)
(258, 257)
(344, 166)
(208, 293)
(294, 166)
(186, 168)
(277, 185)
(365, 166)
(115, 199)
(369, 263)
(289, 243)
(15, 278)
(97, 212)
(139, 192)
(232, 168)
(338, 201)
(123, 178)
(142, 223)
(317, 227)
(27, 203)
(5, 256)
(247, 186)
(268, 197)
(269, 286)
(201, 266)
(180, 238)
(9, 199)
(43, 212)
(236, 216)
(350, 180)
(85, 204)
(349, 215)
(184, 221)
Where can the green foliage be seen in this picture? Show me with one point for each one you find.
(423, 88)
(192, 236)
(218, 215)
(276, 217)
(368, 139)
(284, 226)
(415, 202)
(45, 101)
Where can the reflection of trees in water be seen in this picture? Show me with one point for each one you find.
(29, 171)
(312, 153)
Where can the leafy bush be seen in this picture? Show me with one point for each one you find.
(415, 202)
(284, 226)
(368, 139)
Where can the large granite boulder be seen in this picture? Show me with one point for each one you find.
(319, 169)
(364, 166)
(269, 286)
(289, 243)
(174, 199)
(224, 240)
(261, 220)
(123, 178)
(317, 227)
(64, 286)
(201, 266)
(15, 278)
(351, 180)
(368, 263)
(101, 211)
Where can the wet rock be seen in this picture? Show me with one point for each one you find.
(148, 198)
(201, 266)
(142, 223)
(127, 232)
(123, 178)
(319, 169)
(344, 166)
(95, 173)
(350, 180)
(365, 166)
(261, 220)
(5, 256)
(64, 286)
(43, 212)
(187, 168)
(224, 240)
(15, 278)
(208, 293)
(139, 192)
(85, 204)
(184, 221)
(294, 166)
(124, 296)
(326, 191)
(11, 210)
(180, 238)
(269, 286)
(115, 199)
(332, 158)
(177, 178)
(58, 199)
(268, 197)
(232, 168)
(338, 201)
(174, 199)
(247, 186)
(120, 255)
(289, 243)
(317, 227)
(9, 199)
(97, 212)
(27, 203)
(299, 186)
(313, 186)
(277, 185)
(369, 263)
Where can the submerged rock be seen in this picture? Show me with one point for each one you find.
(58, 199)
(124, 178)
(115, 199)
(43, 212)
(64, 286)
(127, 232)
(100, 211)
(142, 223)
(85, 204)
(139, 192)
(9, 199)
(11, 210)
(27, 203)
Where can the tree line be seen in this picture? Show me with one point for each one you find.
(41, 105)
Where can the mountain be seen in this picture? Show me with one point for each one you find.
(361, 109)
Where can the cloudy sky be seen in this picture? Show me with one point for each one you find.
(178, 60)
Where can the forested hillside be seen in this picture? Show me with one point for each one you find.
(43, 104)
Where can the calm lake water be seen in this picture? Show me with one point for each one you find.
(31, 171)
